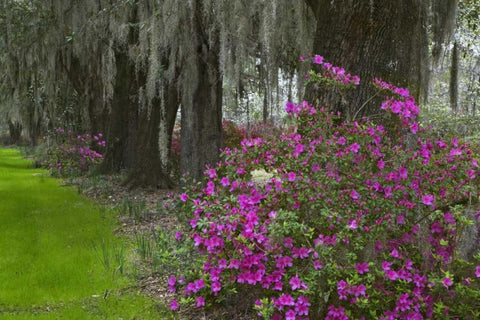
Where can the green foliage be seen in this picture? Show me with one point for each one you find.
(443, 123)
(134, 209)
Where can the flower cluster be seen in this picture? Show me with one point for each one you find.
(71, 154)
(349, 224)
(401, 104)
(330, 74)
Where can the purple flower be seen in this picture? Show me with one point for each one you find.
(290, 315)
(447, 282)
(318, 59)
(403, 302)
(317, 265)
(184, 197)
(355, 147)
(354, 194)
(216, 287)
(288, 242)
(178, 236)
(225, 182)
(353, 224)
(171, 284)
(381, 164)
(428, 199)
(286, 300)
(200, 302)
(295, 282)
(477, 272)
(359, 290)
(212, 173)
(362, 268)
(455, 152)
(292, 176)
(174, 305)
(392, 275)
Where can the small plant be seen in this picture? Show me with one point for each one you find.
(145, 247)
(133, 209)
(111, 255)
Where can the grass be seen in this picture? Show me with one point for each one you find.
(59, 256)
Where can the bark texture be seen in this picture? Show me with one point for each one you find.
(454, 78)
(202, 103)
(385, 39)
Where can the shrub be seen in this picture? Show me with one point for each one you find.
(232, 134)
(343, 223)
(73, 154)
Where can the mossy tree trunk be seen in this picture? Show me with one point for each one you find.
(202, 106)
(385, 39)
(454, 78)
(15, 131)
(117, 130)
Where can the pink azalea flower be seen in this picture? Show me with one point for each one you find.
(354, 194)
(428, 199)
(292, 176)
(184, 197)
(318, 59)
(477, 272)
(290, 315)
(178, 236)
(381, 164)
(200, 302)
(286, 300)
(295, 282)
(225, 182)
(447, 282)
(455, 152)
(355, 147)
(174, 305)
(362, 268)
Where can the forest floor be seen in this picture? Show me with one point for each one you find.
(150, 228)
(65, 256)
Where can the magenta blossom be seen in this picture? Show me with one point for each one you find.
(292, 176)
(428, 199)
(447, 282)
(362, 268)
(318, 59)
(174, 305)
(200, 302)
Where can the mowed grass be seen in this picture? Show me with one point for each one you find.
(59, 257)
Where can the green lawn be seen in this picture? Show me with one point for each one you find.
(58, 255)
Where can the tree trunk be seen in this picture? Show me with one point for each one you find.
(118, 118)
(454, 79)
(147, 169)
(202, 103)
(15, 130)
(385, 39)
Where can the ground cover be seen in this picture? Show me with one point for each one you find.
(60, 257)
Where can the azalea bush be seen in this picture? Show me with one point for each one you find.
(234, 134)
(73, 154)
(337, 221)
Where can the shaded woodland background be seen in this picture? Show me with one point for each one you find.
(132, 69)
